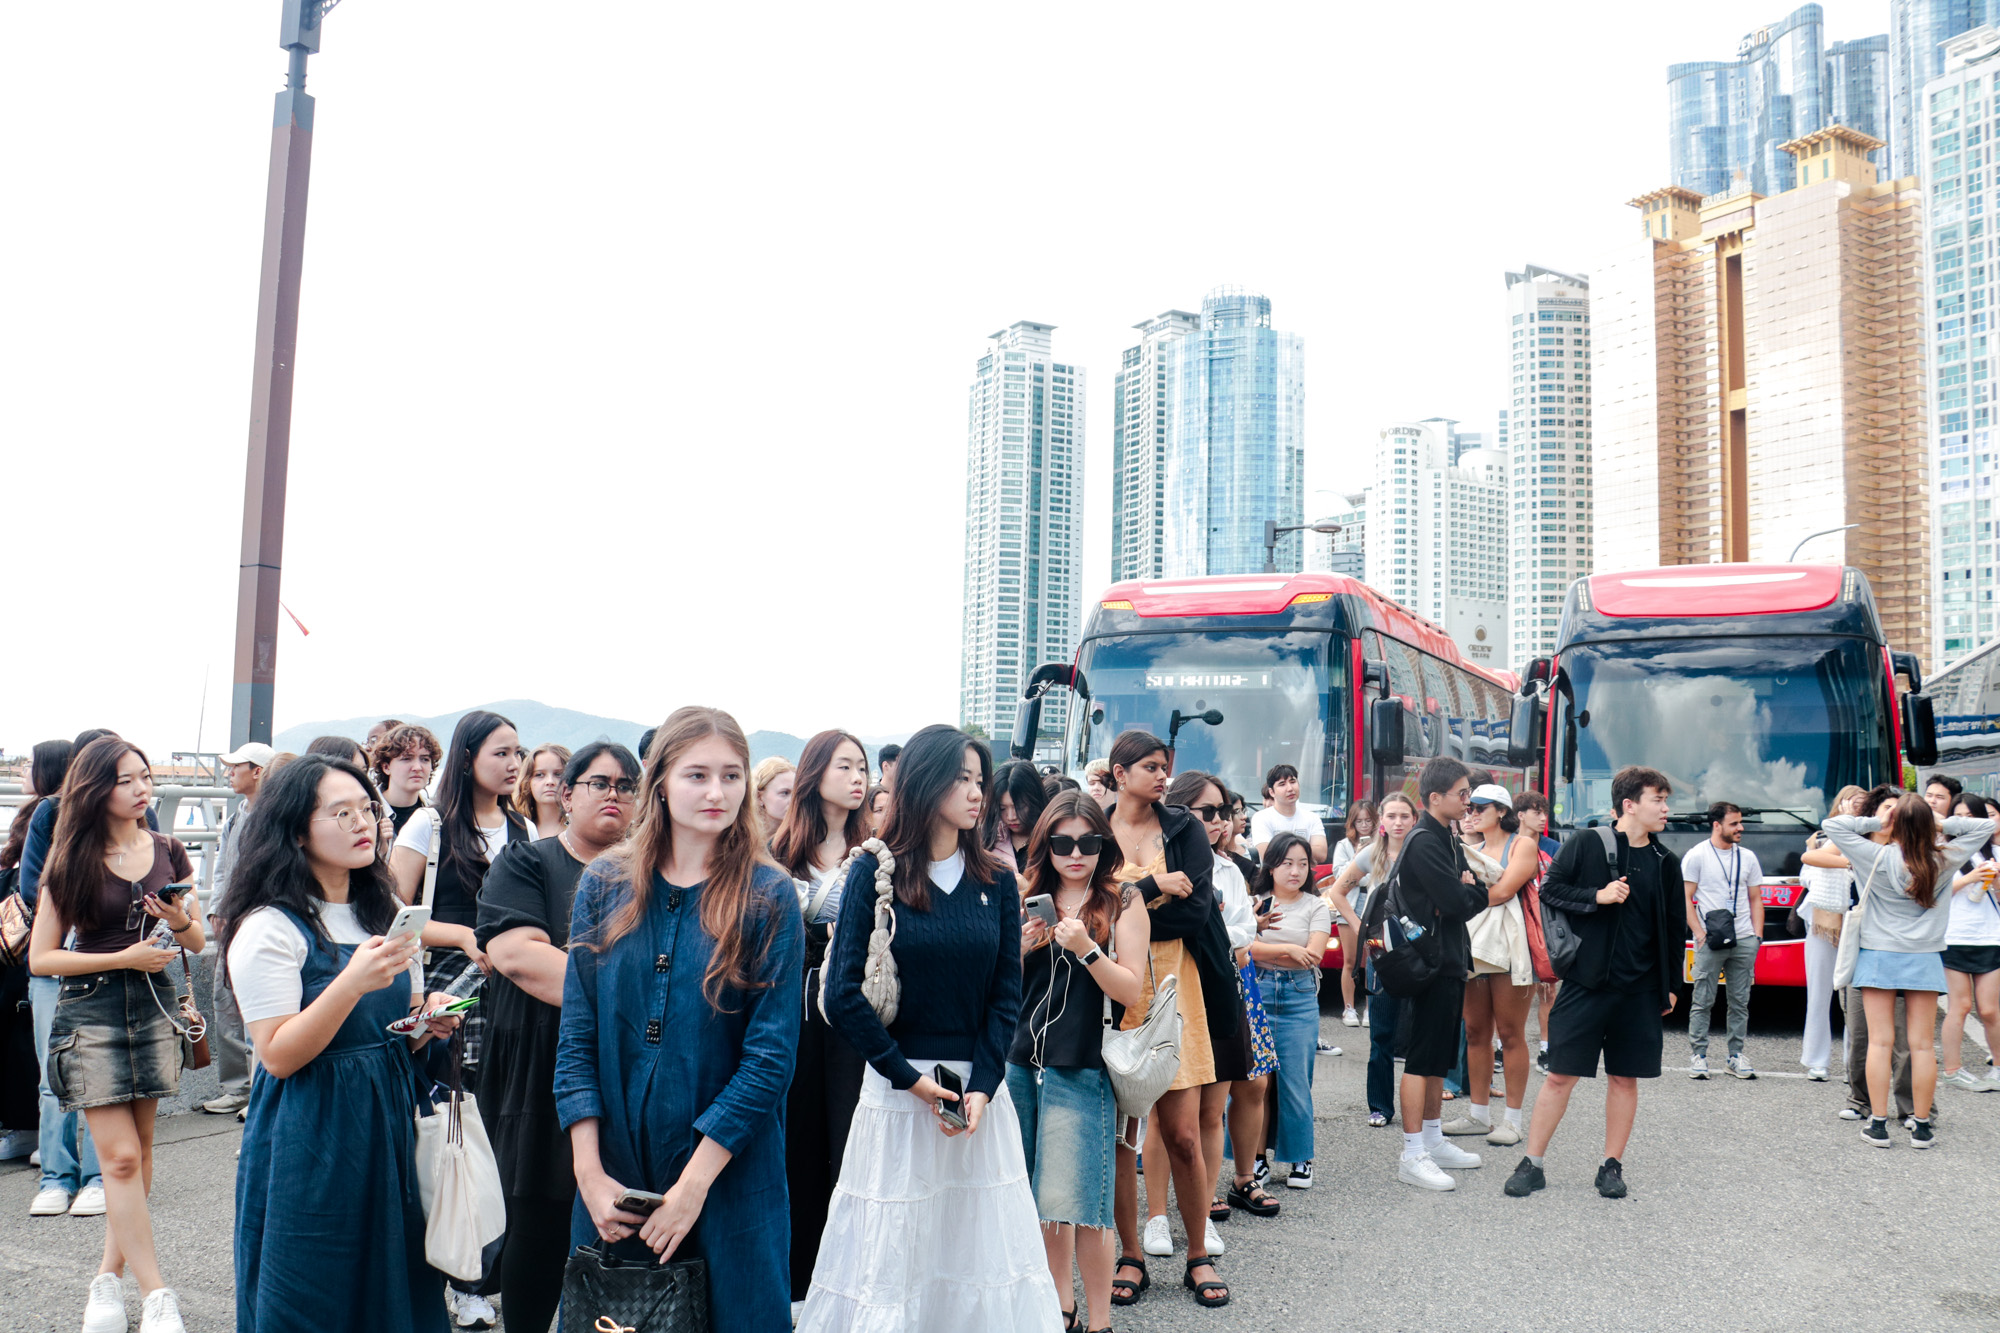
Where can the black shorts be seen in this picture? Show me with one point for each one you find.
(1626, 1027)
(1434, 1016)
(1975, 960)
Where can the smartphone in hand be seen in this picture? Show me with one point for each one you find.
(1042, 906)
(952, 1113)
(640, 1202)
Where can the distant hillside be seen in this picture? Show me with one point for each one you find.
(538, 723)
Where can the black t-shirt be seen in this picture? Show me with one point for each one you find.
(529, 884)
(401, 813)
(1635, 945)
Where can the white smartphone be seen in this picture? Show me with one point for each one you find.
(409, 921)
(1043, 906)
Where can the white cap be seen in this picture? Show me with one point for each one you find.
(1492, 794)
(253, 752)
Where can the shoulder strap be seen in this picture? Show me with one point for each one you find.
(1609, 837)
(431, 858)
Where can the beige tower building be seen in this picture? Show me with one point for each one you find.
(1758, 370)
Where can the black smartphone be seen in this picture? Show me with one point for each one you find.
(1264, 904)
(952, 1113)
(172, 891)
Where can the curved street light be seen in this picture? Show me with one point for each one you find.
(1845, 527)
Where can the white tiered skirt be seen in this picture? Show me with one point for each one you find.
(929, 1233)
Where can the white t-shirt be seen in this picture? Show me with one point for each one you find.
(268, 956)
(1237, 912)
(1303, 916)
(1267, 824)
(1343, 852)
(1975, 916)
(416, 835)
(1713, 872)
(947, 873)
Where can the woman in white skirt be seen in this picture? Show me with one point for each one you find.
(933, 1225)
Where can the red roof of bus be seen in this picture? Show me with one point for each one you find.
(1269, 594)
(1716, 590)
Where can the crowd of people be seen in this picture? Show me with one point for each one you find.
(840, 1030)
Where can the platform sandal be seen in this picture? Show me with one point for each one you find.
(1202, 1290)
(1124, 1291)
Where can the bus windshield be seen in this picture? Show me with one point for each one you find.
(1275, 691)
(1774, 725)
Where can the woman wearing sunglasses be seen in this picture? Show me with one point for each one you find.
(1055, 1068)
(523, 927)
(1502, 987)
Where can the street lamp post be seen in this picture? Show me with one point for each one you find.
(271, 381)
(1823, 532)
(1273, 531)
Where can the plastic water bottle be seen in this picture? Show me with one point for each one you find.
(1411, 930)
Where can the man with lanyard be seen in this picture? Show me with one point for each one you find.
(1725, 912)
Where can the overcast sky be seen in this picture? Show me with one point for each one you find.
(635, 337)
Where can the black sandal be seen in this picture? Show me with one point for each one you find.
(1201, 1290)
(1124, 1291)
(1218, 1211)
(1073, 1322)
(1251, 1198)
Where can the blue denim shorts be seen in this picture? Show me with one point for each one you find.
(111, 1041)
(1069, 1121)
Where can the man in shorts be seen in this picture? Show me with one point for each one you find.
(1628, 912)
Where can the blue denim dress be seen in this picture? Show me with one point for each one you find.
(643, 1053)
(329, 1223)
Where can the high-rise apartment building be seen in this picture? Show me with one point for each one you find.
(1235, 438)
(1728, 120)
(1549, 509)
(1437, 535)
(1758, 376)
(1346, 551)
(1023, 524)
(1957, 113)
(1918, 31)
(1139, 416)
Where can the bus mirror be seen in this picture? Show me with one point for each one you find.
(1027, 722)
(1905, 664)
(1538, 672)
(1386, 731)
(1919, 730)
(1524, 731)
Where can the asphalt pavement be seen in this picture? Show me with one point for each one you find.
(1753, 1206)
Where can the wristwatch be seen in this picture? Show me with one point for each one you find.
(1094, 954)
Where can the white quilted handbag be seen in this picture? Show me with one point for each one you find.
(1142, 1062)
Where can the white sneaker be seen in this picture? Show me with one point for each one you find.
(1349, 1018)
(1964, 1078)
(1157, 1240)
(1503, 1134)
(1740, 1067)
(89, 1202)
(1849, 1113)
(106, 1311)
(35, 1158)
(162, 1313)
(1698, 1066)
(1424, 1174)
(1816, 1074)
(1992, 1080)
(1452, 1157)
(468, 1309)
(1213, 1241)
(51, 1202)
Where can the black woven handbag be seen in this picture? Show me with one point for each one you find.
(602, 1293)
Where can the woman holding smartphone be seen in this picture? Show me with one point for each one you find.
(933, 1223)
(319, 985)
(679, 1021)
(1287, 953)
(1360, 827)
(1357, 896)
(824, 822)
(1070, 972)
(524, 915)
(113, 1049)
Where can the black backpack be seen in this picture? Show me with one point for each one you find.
(1559, 932)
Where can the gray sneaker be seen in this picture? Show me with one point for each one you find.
(1739, 1067)
(1698, 1067)
(1964, 1078)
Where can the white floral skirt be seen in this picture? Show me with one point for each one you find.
(927, 1232)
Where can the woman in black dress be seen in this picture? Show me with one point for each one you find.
(524, 914)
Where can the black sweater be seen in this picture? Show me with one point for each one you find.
(1196, 919)
(960, 969)
(1579, 871)
(1430, 886)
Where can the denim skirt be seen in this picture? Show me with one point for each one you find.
(1069, 1126)
(1885, 969)
(111, 1040)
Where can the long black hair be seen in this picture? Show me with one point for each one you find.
(1976, 806)
(1129, 749)
(1275, 852)
(1021, 782)
(799, 834)
(464, 845)
(580, 762)
(271, 868)
(926, 771)
(49, 762)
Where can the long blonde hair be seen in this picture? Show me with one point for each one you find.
(728, 900)
(1380, 862)
(524, 790)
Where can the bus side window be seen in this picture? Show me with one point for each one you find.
(1442, 727)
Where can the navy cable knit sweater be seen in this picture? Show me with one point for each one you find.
(960, 968)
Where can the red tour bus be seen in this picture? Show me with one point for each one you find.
(1243, 672)
(1769, 686)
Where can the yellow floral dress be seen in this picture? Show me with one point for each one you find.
(1172, 957)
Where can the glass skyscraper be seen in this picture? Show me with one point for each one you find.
(1918, 30)
(1728, 118)
(1235, 438)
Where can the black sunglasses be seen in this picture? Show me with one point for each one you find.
(1211, 813)
(1090, 844)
